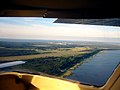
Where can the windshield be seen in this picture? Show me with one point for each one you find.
(79, 52)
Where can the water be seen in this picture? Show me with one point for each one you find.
(97, 69)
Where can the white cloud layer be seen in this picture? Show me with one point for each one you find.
(56, 31)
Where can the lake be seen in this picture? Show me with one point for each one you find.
(97, 69)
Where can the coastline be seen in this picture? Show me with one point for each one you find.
(86, 56)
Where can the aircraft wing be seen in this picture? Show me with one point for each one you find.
(106, 22)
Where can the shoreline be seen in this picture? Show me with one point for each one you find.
(75, 62)
(89, 55)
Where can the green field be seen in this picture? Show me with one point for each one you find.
(54, 59)
(64, 52)
(58, 66)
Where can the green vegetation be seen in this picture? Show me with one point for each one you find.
(12, 52)
(60, 52)
(54, 59)
(55, 65)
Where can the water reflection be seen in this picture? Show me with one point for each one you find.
(97, 69)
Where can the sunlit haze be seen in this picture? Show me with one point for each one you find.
(45, 29)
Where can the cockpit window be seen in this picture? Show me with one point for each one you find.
(85, 53)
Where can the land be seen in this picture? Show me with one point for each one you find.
(60, 52)
(51, 57)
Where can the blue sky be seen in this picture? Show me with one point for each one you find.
(44, 28)
(26, 21)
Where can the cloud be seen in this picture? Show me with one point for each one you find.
(41, 28)
(26, 21)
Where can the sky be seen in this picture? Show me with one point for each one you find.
(45, 29)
